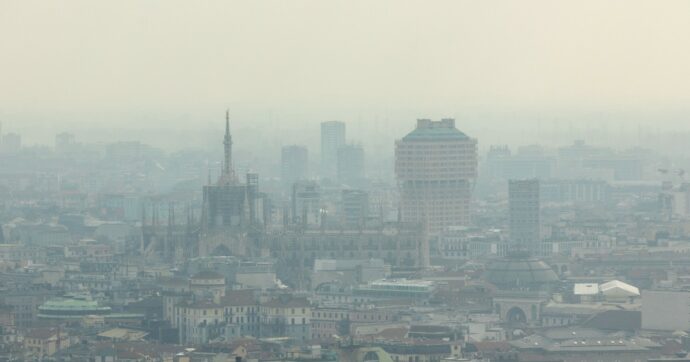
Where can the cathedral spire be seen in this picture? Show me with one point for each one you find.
(228, 172)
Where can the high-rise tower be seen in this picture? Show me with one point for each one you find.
(436, 166)
(524, 213)
(332, 137)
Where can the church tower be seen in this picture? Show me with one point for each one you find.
(228, 176)
(227, 212)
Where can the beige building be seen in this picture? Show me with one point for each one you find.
(286, 316)
(329, 322)
(208, 284)
(43, 342)
(436, 166)
(241, 313)
(199, 322)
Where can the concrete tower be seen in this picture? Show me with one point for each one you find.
(332, 137)
(524, 214)
(436, 166)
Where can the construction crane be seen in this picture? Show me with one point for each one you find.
(678, 172)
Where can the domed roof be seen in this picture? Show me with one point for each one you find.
(520, 271)
(68, 304)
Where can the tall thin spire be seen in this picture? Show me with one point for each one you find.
(228, 172)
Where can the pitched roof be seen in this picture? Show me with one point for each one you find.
(617, 288)
(288, 301)
(393, 333)
(586, 289)
(42, 333)
(239, 298)
(490, 346)
(123, 334)
(619, 320)
(201, 304)
(207, 275)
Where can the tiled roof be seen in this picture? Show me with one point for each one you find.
(287, 301)
(42, 333)
(239, 298)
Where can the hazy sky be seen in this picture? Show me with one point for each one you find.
(295, 62)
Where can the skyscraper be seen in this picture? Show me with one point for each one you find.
(354, 208)
(64, 142)
(332, 137)
(294, 165)
(525, 229)
(306, 203)
(11, 143)
(350, 165)
(436, 166)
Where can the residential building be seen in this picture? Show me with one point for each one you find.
(286, 316)
(241, 313)
(306, 203)
(354, 208)
(524, 214)
(45, 342)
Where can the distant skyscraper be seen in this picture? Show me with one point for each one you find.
(332, 137)
(350, 165)
(64, 142)
(525, 229)
(436, 166)
(354, 208)
(306, 203)
(11, 142)
(294, 165)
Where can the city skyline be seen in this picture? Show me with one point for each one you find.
(345, 181)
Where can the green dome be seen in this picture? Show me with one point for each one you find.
(71, 308)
